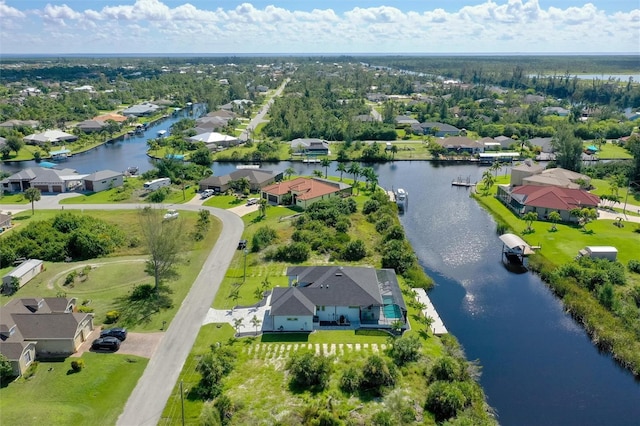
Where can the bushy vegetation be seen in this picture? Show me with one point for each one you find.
(66, 235)
(263, 237)
(309, 371)
(213, 367)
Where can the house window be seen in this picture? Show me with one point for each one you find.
(27, 358)
(322, 308)
(292, 319)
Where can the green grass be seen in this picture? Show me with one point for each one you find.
(95, 396)
(13, 199)
(116, 275)
(132, 192)
(223, 201)
(610, 151)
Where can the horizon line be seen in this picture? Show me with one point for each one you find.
(269, 54)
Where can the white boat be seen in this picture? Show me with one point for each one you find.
(402, 199)
(161, 133)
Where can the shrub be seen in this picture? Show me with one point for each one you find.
(634, 266)
(142, 292)
(405, 349)
(71, 277)
(447, 369)
(309, 371)
(383, 224)
(343, 225)
(159, 195)
(396, 232)
(294, 252)
(377, 374)
(370, 206)
(6, 371)
(77, 365)
(112, 317)
(354, 250)
(85, 309)
(350, 380)
(444, 400)
(262, 238)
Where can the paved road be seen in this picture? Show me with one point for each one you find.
(147, 401)
(259, 118)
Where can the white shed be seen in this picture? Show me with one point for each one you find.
(24, 273)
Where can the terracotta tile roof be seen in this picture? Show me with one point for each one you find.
(305, 188)
(556, 198)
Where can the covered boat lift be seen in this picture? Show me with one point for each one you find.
(515, 248)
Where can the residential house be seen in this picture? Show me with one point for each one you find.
(141, 110)
(214, 140)
(364, 118)
(118, 118)
(257, 179)
(304, 191)
(524, 170)
(90, 126)
(490, 144)
(461, 144)
(237, 105)
(545, 199)
(46, 180)
(310, 146)
(505, 141)
(558, 177)
(50, 136)
(376, 97)
(10, 124)
(23, 273)
(436, 129)
(405, 120)
(337, 296)
(562, 112)
(546, 148)
(533, 99)
(46, 327)
(103, 180)
(211, 124)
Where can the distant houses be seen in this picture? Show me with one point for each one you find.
(60, 180)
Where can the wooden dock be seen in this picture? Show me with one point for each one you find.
(437, 327)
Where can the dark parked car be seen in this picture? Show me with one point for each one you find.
(242, 244)
(106, 344)
(118, 332)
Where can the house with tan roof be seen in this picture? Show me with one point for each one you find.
(257, 179)
(305, 191)
(118, 118)
(47, 327)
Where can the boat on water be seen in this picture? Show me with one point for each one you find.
(161, 133)
(402, 199)
(133, 170)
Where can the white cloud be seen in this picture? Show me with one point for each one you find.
(492, 26)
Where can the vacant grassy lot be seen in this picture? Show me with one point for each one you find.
(53, 396)
(610, 151)
(113, 278)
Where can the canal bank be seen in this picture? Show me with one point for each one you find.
(539, 366)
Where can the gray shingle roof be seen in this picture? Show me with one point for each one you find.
(290, 301)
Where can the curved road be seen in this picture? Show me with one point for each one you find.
(147, 401)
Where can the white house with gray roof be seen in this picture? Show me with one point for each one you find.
(337, 296)
(103, 180)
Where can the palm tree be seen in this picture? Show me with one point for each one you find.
(317, 173)
(341, 168)
(32, 195)
(394, 150)
(237, 324)
(325, 162)
(263, 207)
(554, 217)
(529, 218)
(371, 177)
(288, 172)
(255, 321)
(356, 171)
(488, 179)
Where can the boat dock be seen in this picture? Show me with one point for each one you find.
(437, 327)
(462, 182)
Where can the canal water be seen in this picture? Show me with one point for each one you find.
(538, 365)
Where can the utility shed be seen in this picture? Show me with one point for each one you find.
(599, 252)
(23, 272)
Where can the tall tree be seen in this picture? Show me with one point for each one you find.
(356, 170)
(164, 241)
(288, 172)
(568, 149)
(325, 162)
(341, 168)
(15, 143)
(32, 195)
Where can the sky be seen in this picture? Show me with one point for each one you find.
(314, 26)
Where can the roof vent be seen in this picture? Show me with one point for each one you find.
(321, 286)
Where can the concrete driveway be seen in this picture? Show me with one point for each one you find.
(139, 344)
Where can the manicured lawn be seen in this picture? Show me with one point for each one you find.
(610, 151)
(223, 201)
(13, 199)
(563, 245)
(52, 396)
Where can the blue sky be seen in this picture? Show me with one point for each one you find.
(328, 26)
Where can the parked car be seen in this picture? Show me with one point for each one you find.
(252, 201)
(106, 344)
(242, 244)
(171, 214)
(207, 193)
(119, 333)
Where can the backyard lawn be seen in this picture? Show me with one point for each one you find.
(55, 396)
